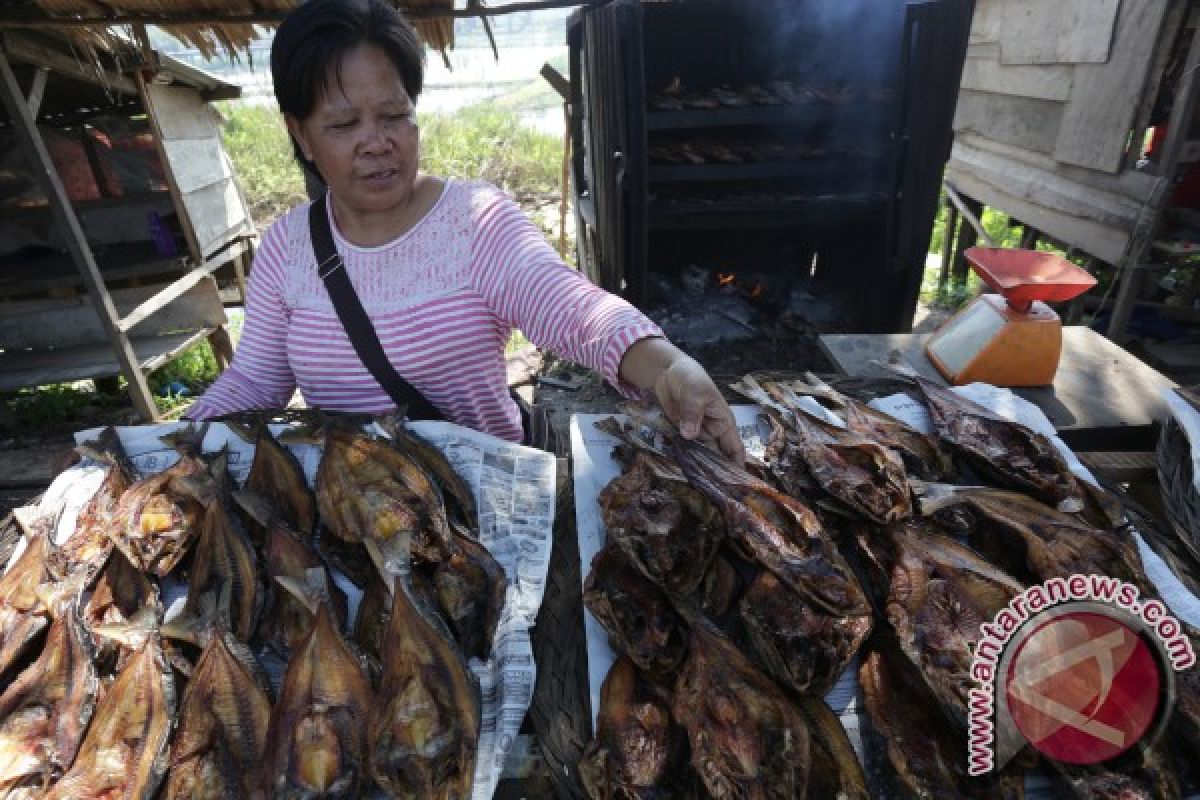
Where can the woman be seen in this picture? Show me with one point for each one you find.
(444, 268)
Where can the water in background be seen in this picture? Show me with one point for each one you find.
(526, 41)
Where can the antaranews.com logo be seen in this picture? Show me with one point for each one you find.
(1080, 668)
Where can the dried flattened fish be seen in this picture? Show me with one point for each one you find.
(777, 531)
(927, 757)
(369, 490)
(223, 585)
(374, 613)
(154, 524)
(23, 615)
(940, 594)
(670, 531)
(1007, 451)
(802, 647)
(747, 738)
(460, 499)
(834, 771)
(1033, 539)
(470, 586)
(423, 729)
(637, 753)
(923, 457)
(46, 709)
(637, 614)
(852, 468)
(720, 587)
(316, 738)
(218, 744)
(286, 620)
(378, 491)
(276, 475)
(88, 547)
(123, 754)
(118, 596)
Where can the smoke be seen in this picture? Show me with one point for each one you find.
(855, 42)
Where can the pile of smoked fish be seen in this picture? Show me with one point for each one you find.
(104, 698)
(736, 596)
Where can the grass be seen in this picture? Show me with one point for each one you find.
(261, 152)
(35, 413)
(488, 143)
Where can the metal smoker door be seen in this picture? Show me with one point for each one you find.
(608, 133)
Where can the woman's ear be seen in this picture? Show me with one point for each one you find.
(297, 131)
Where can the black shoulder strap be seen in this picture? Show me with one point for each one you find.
(354, 319)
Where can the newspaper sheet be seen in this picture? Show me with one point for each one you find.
(594, 467)
(514, 488)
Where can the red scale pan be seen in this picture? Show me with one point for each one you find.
(1012, 338)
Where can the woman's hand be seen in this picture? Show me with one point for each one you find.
(686, 393)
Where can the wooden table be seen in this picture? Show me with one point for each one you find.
(1103, 397)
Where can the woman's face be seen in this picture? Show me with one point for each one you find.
(362, 135)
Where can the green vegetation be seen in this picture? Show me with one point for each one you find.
(1002, 231)
(193, 369)
(36, 413)
(484, 142)
(261, 152)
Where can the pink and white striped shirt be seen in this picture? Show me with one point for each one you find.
(444, 298)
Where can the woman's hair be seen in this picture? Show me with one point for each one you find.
(312, 40)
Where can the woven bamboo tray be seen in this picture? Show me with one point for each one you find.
(1179, 494)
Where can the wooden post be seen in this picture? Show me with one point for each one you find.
(1029, 238)
(222, 347)
(967, 238)
(36, 90)
(1076, 307)
(64, 217)
(948, 236)
(566, 182)
(239, 268)
(181, 211)
(1142, 238)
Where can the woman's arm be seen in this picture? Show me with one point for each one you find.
(260, 376)
(685, 391)
(558, 309)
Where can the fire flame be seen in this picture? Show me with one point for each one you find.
(725, 279)
(756, 292)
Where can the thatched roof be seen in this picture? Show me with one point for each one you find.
(211, 26)
(81, 85)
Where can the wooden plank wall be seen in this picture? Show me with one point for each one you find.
(63, 323)
(1049, 95)
(202, 173)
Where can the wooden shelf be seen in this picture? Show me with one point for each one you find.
(17, 213)
(56, 271)
(39, 367)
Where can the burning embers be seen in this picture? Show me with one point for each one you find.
(707, 306)
(728, 282)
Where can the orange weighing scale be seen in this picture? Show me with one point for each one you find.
(1012, 338)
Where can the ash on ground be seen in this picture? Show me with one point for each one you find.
(737, 323)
